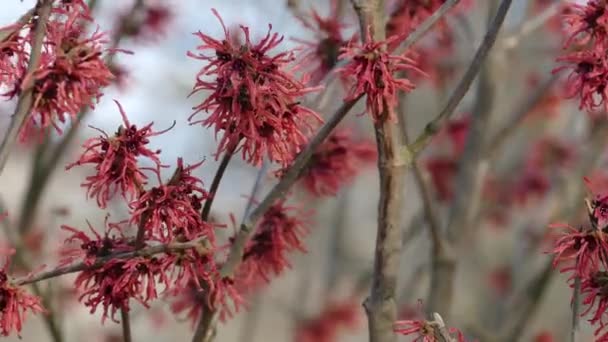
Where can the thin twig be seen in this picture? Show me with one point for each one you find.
(463, 86)
(426, 26)
(466, 202)
(518, 117)
(6, 32)
(200, 244)
(126, 325)
(26, 98)
(215, 184)
(537, 21)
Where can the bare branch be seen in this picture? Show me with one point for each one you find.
(26, 98)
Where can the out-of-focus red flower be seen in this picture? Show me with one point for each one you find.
(549, 105)
(544, 336)
(336, 317)
(373, 71)
(501, 280)
(337, 162)
(148, 22)
(279, 233)
(550, 152)
(116, 161)
(532, 184)
(321, 54)
(442, 171)
(254, 100)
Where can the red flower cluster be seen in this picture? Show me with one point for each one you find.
(582, 253)
(253, 100)
(115, 160)
(336, 318)
(336, 163)
(15, 302)
(71, 73)
(117, 281)
(173, 209)
(588, 35)
(372, 71)
(321, 54)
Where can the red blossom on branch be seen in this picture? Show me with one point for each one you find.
(15, 303)
(116, 161)
(372, 71)
(254, 100)
(173, 209)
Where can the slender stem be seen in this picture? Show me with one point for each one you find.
(531, 25)
(426, 26)
(215, 184)
(126, 325)
(26, 98)
(463, 86)
(6, 32)
(518, 117)
(466, 202)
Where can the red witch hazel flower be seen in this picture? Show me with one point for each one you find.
(588, 22)
(117, 281)
(278, 234)
(588, 33)
(173, 208)
(254, 100)
(115, 159)
(582, 250)
(148, 22)
(321, 55)
(15, 302)
(373, 70)
(336, 318)
(71, 74)
(336, 163)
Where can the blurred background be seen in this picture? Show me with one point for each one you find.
(540, 148)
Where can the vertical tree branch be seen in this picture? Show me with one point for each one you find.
(381, 305)
(126, 325)
(26, 98)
